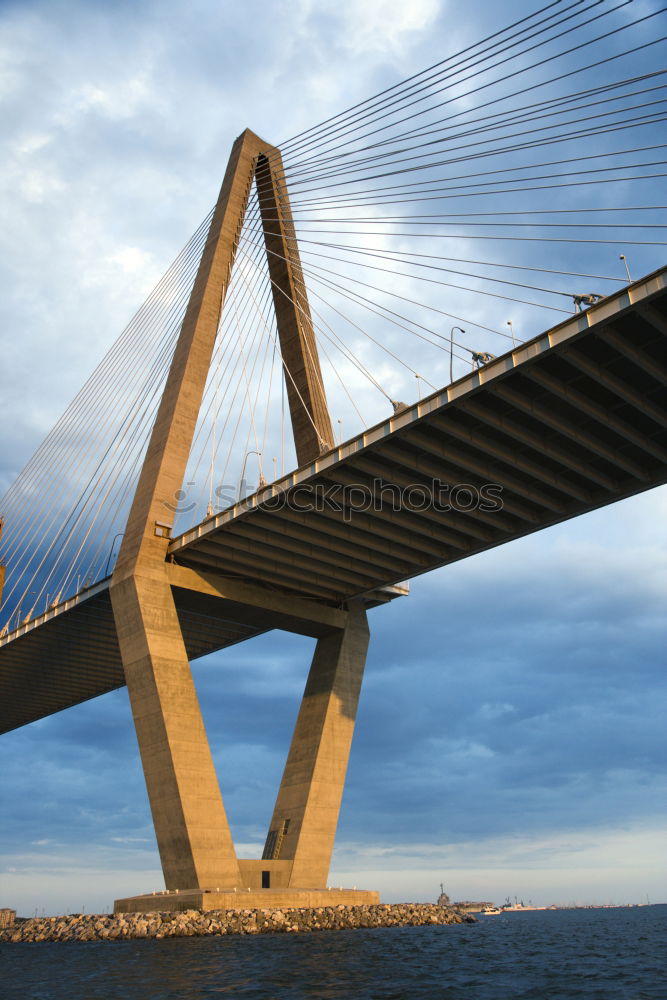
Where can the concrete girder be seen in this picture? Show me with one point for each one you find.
(599, 413)
(281, 559)
(620, 389)
(307, 555)
(564, 426)
(431, 528)
(486, 469)
(300, 528)
(510, 427)
(513, 458)
(610, 335)
(218, 557)
(394, 461)
(367, 532)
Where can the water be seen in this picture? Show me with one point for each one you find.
(543, 955)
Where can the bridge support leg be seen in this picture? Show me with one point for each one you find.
(305, 816)
(193, 835)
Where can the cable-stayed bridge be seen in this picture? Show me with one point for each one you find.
(114, 573)
(566, 423)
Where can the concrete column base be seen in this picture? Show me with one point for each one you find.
(251, 899)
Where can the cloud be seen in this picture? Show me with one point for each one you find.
(601, 866)
(509, 724)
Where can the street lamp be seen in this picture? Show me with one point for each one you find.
(106, 568)
(451, 351)
(621, 256)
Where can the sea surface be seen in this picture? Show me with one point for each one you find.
(539, 955)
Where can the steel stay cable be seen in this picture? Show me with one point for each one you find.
(483, 154)
(535, 143)
(235, 383)
(477, 291)
(66, 533)
(268, 399)
(559, 78)
(350, 357)
(462, 260)
(524, 69)
(206, 410)
(63, 538)
(485, 236)
(286, 369)
(376, 162)
(92, 387)
(77, 558)
(313, 361)
(122, 499)
(417, 277)
(400, 188)
(417, 76)
(247, 296)
(551, 107)
(369, 203)
(256, 336)
(246, 299)
(445, 219)
(81, 400)
(367, 303)
(251, 427)
(385, 313)
(294, 182)
(402, 104)
(130, 417)
(260, 380)
(149, 362)
(392, 158)
(207, 414)
(75, 499)
(342, 382)
(554, 104)
(81, 498)
(247, 396)
(520, 212)
(229, 343)
(450, 315)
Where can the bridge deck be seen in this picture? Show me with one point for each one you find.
(571, 421)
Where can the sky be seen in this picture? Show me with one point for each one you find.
(510, 736)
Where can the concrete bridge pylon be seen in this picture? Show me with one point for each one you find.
(197, 853)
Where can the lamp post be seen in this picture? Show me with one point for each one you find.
(622, 257)
(106, 568)
(451, 351)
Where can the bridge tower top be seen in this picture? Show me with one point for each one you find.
(148, 529)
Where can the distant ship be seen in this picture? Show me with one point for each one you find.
(521, 907)
(467, 905)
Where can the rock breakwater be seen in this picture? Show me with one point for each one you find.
(200, 923)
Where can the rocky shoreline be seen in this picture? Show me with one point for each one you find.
(201, 923)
